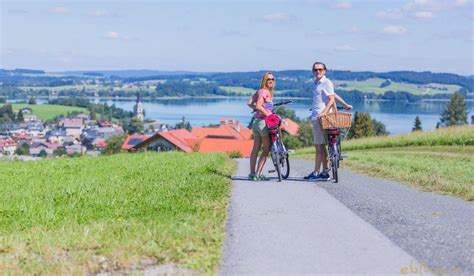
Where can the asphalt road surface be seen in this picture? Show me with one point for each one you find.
(361, 225)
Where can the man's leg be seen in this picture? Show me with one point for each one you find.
(321, 158)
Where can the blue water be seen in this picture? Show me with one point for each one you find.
(398, 117)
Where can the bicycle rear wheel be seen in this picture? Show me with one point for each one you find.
(276, 163)
(285, 165)
(334, 167)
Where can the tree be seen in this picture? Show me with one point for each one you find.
(305, 133)
(32, 100)
(133, 125)
(417, 124)
(285, 112)
(6, 114)
(43, 153)
(114, 144)
(455, 113)
(385, 83)
(59, 152)
(380, 129)
(184, 124)
(3, 100)
(362, 126)
(19, 117)
(24, 149)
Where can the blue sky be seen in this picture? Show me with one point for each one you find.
(419, 35)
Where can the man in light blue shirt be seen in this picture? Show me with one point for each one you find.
(323, 98)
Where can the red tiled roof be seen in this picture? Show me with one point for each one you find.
(290, 126)
(133, 140)
(8, 142)
(179, 138)
(101, 143)
(71, 123)
(20, 136)
(226, 145)
(223, 131)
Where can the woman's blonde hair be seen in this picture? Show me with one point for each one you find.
(263, 83)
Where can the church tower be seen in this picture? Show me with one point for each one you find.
(138, 109)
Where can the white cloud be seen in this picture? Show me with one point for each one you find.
(60, 10)
(344, 48)
(390, 14)
(354, 29)
(422, 9)
(112, 35)
(343, 5)
(461, 3)
(424, 14)
(100, 13)
(276, 17)
(394, 30)
(232, 33)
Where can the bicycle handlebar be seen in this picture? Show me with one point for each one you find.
(283, 103)
(337, 107)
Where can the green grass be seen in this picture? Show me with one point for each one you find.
(47, 111)
(373, 85)
(440, 161)
(238, 89)
(86, 215)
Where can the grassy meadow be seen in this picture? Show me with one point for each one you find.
(48, 111)
(440, 161)
(114, 213)
(373, 85)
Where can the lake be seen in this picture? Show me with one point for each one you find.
(397, 116)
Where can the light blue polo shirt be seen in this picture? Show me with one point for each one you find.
(322, 89)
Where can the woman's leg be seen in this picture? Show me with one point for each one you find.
(263, 156)
(257, 143)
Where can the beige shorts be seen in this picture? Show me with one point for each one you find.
(320, 136)
(259, 128)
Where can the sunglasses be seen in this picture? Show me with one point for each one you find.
(318, 69)
(270, 79)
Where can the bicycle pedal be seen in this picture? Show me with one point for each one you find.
(271, 171)
(343, 155)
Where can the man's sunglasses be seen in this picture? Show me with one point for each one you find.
(318, 69)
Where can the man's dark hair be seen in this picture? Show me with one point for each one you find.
(318, 62)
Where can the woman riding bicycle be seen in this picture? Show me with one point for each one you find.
(262, 102)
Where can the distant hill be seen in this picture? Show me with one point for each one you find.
(130, 73)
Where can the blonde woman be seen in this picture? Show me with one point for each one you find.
(262, 103)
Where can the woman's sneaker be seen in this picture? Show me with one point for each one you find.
(253, 177)
(262, 178)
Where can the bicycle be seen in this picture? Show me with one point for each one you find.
(278, 151)
(334, 147)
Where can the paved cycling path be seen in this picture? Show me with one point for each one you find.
(357, 226)
(296, 227)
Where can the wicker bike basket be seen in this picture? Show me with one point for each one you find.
(336, 120)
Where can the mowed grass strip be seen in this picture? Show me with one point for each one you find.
(48, 111)
(441, 169)
(439, 161)
(456, 135)
(112, 213)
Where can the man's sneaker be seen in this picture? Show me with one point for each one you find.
(311, 176)
(262, 177)
(324, 176)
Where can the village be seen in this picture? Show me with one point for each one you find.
(79, 135)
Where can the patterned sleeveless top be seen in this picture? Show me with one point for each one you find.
(268, 104)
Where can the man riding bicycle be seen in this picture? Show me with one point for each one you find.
(323, 99)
